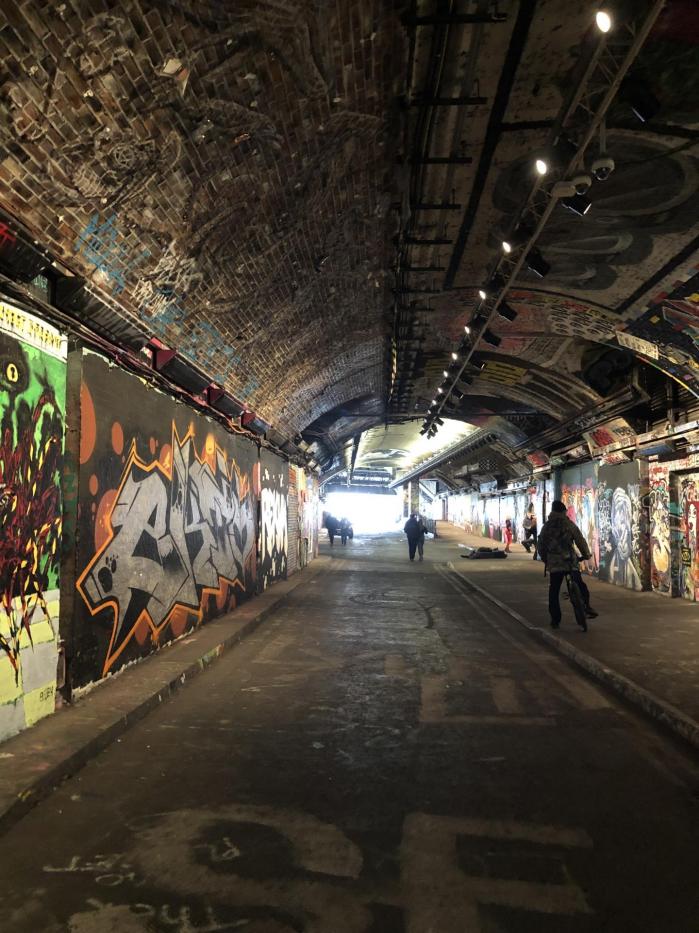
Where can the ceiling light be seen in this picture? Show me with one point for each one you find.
(491, 338)
(458, 395)
(603, 21)
(504, 310)
(536, 262)
(438, 421)
(507, 246)
(481, 294)
(579, 204)
(455, 356)
(541, 166)
(445, 373)
(440, 390)
(434, 401)
(467, 329)
(477, 362)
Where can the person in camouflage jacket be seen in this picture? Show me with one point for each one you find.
(556, 545)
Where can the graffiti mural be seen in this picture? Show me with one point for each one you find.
(621, 527)
(274, 480)
(32, 415)
(167, 519)
(579, 494)
(659, 519)
(688, 563)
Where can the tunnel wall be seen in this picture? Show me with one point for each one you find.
(609, 503)
(127, 518)
(32, 427)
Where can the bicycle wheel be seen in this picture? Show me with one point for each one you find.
(577, 602)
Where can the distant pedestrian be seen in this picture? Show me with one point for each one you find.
(345, 530)
(530, 530)
(421, 536)
(332, 526)
(508, 535)
(412, 530)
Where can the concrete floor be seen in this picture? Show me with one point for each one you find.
(386, 754)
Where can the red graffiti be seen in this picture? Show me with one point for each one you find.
(7, 237)
(30, 519)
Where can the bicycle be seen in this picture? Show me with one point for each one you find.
(574, 593)
(576, 600)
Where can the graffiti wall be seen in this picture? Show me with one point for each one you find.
(166, 520)
(659, 528)
(687, 486)
(273, 545)
(32, 420)
(622, 527)
(578, 491)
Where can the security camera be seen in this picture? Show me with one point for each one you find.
(602, 168)
(582, 183)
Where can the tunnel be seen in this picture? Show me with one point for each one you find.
(349, 466)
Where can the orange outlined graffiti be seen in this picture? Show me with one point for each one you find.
(175, 534)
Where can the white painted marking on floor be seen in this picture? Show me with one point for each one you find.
(505, 695)
(443, 898)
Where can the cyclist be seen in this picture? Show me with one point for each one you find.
(556, 548)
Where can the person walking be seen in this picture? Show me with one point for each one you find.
(507, 535)
(332, 527)
(530, 530)
(556, 546)
(345, 528)
(421, 535)
(412, 530)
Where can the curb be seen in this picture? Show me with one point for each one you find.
(659, 710)
(40, 788)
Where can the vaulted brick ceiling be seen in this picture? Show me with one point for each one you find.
(242, 179)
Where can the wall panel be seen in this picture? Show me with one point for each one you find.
(32, 424)
(166, 520)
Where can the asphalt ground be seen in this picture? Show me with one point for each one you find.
(388, 753)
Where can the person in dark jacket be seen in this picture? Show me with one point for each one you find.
(422, 531)
(556, 545)
(345, 530)
(333, 526)
(412, 529)
(530, 529)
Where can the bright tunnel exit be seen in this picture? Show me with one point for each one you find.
(369, 513)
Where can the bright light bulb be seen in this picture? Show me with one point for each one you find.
(440, 390)
(455, 356)
(467, 329)
(445, 373)
(481, 294)
(603, 20)
(507, 247)
(434, 401)
(541, 166)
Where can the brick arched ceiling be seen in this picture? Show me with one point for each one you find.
(251, 183)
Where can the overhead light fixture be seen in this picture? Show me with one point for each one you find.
(439, 421)
(434, 401)
(423, 430)
(504, 310)
(440, 390)
(559, 155)
(481, 294)
(603, 20)
(643, 102)
(445, 373)
(506, 246)
(455, 356)
(476, 362)
(467, 329)
(537, 264)
(491, 338)
(458, 395)
(466, 380)
(579, 204)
